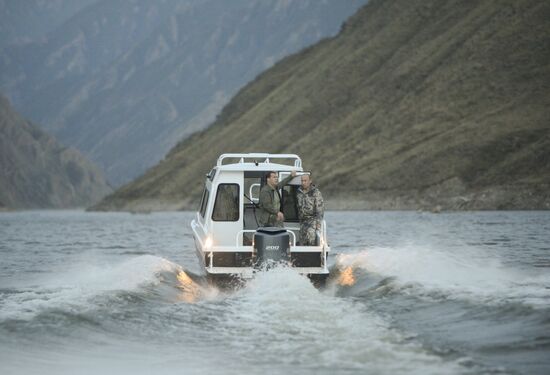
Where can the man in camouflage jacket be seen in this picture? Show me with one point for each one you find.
(270, 200)
(310, 211)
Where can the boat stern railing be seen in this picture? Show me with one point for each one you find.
(209, 250)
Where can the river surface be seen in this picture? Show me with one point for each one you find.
(411, 293)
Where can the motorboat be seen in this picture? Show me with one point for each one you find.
(229, 241)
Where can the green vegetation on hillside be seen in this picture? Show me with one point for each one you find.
(414, 104)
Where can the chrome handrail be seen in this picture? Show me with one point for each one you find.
(324, 239)
(254, 200)
(241, 232)
(293, 235)
(265, 156)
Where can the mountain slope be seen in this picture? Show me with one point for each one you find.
(124, 91)
(25, 21)
(414, 104)
(37, 172)
(38, 75)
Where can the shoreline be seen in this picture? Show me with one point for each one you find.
(329, 208)
(488, 199)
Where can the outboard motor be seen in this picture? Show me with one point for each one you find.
(271, 245)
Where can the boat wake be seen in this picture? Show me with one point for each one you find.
(150, 299)
(281, 310)
(85, 290)
(420, 272)
(435, 275)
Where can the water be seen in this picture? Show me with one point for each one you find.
(415, 293)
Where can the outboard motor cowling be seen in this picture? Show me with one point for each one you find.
(271, 245)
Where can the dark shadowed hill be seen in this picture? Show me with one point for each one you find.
(38, 172)
(414, 104)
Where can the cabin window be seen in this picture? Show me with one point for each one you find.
(204, 202)
(226, 207)
(289, 203)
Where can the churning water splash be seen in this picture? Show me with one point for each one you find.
(87, 287)
(494, 313)
(429, 273)
(280, 317)
(114, 293)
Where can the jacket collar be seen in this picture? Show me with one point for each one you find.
(312, 188)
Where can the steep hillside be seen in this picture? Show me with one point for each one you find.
(37, 172)
(123, 81)
(414, 104)
(26, 21)
(41, 76)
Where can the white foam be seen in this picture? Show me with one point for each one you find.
(469, 274)
(72, 289)
(280, 317)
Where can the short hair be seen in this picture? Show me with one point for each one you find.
(268, 174)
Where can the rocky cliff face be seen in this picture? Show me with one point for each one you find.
(414, 105)
(124, 81)
(38, 172)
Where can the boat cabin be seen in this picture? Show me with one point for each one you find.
(227, 219)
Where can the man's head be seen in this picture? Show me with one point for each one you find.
(306, 181)
(272, 179)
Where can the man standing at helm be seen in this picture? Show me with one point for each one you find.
(310, 211)
(269, 203)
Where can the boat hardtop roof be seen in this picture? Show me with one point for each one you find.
(259, 162)
(257, 167)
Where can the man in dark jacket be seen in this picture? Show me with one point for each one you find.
(270, 200)
(310, 211)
